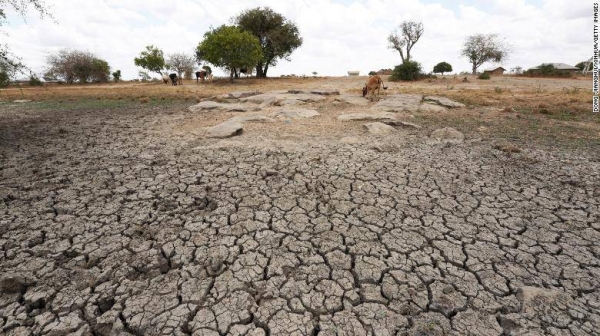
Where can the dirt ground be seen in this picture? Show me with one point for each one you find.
(118, 216)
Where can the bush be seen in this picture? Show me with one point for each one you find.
(484, 75)
(407, 71)
(35, 81)
(116, 75)
(4, 79)
(372, 73)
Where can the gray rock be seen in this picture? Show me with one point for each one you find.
(448, 134)
(225, 130)
(367, 116)
(426, 107)
(243, 94)
(353, 100)
(378, 128)
(211, 105)
(252, 118)
(297, 113)
(325, 92)
(259, 99)
(22, 101)
(400, 123)
(399, 103)
(444, 101)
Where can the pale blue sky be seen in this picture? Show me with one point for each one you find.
(339, 35)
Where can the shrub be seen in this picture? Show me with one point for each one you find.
(407, 71)
(116, 75)
(372, 73)
(4, 79)
(484, 75)
(35, 81)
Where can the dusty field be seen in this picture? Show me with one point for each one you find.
(118, 215)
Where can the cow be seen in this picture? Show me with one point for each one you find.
(374, 83)
(201, 75)
(165, 79)
(174, 78)
(210, 78)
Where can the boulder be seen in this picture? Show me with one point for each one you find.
(444, 101)
(225, 130)
(259, 99)
(325, 92)
(367, 116)
(399, 103)
(252, 118)
(297, 113)
(448, 134)
(431, 108)
(378, 128)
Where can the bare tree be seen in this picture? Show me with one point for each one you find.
(409, 35)
(481, 48)
(181, 63)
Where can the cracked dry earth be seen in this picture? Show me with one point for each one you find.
(110, 226)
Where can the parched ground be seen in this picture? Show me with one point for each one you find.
(120, 218)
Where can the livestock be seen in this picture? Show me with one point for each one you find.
(210, 78)
(174, 78)
(201, 75)
(165, 79)
(374, 83)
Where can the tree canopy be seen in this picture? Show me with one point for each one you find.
(74, 65)
(442, 67)
(151, 59)
(481, 48)
(231, 48)
(181, 63)
(409, 35)
(278, 36)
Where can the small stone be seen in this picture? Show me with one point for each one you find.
(378, 128)
(225, 130)
(448, 134)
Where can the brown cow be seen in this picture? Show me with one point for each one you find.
(374, 83)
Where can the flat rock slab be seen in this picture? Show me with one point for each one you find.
(252, 118)
(242, 94)
(400, 123)
(353, 100)
(325, 92)
(378, 128)
(297, 113)
(259, 99)
(399, 103)
(444, 101)
(367, 116)
(211, 105)
(225, 130)
(22, 101)
(426, 107)
(448, 134)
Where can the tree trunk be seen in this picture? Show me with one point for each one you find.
(264, 75)
(231, 76)
(474, 69)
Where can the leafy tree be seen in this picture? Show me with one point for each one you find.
(372, 73)
(207, 69)
(151, 59)
(82, 66)
(581, 65)
(117, 75)
(181, 63)
(231, 48)
(442, 67)
(481, 48)
(517, 70)
(407, 71)
(278, 36)
(409, 35)
(144, 75)
(547, 69)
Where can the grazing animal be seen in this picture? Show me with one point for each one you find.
(374, 83)
(165, 79)
(210, 78)
(201, 75)
(173, 77)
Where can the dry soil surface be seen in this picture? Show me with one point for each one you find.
(128, 221)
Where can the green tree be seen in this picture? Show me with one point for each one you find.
(581, 65)
(410, 33)
(151, 59)
(231, 48)
(442, 67)
(407, 71)
(481, 48)
(72, 65)
(207, 69)
(117, 75)
(278, 36)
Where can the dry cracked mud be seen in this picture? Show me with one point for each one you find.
(109, 225)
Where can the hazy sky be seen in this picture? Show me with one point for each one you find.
(339, 35)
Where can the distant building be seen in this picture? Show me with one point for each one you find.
(494, 71)
(560, 67)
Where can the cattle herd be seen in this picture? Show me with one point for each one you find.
(177, 80)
